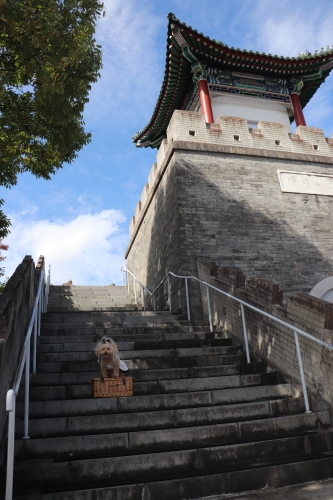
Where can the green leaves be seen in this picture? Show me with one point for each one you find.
(48, 61)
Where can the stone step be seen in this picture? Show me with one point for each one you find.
(76, 378)
(194, 486)
(153, 386)
(61, 329)
(173, 463)
(61, 406)
(118, 324)
(134, 345)
(99, 406)
(80, 319)
(146, 337)
(75, 447)
(144, 363)
(77, 288)
(88, 295)
(171, 412)
(58, 357)
(92, 307)
(92, 314)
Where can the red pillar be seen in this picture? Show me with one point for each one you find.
(298, 112)
(206, 105)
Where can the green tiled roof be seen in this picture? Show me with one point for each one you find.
(213, 53)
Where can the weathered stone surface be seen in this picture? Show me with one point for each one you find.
(224, 202)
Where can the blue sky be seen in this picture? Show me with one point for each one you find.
(79, 219)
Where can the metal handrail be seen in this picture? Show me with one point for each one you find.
(40, 306)
(243, 304)
(135, 280)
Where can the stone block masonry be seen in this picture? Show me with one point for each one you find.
(215, 193)
(271, 340)
(16, 304)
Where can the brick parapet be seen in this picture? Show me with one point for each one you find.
(272, 340)
(231, 135)
(16, 304)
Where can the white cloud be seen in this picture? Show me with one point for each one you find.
(289, 30)
(292, 27)
(88, 249)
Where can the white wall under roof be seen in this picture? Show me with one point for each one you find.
(253, 109)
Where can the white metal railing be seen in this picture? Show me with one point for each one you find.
(243, 305)
(135, 281)
(40, 306)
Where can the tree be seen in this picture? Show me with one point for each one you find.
(2, 271)
(48, 61)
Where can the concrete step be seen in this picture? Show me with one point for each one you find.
(90, 293)
(186, 352)
(58, 405)
(193, 486)
(171, 463)
(135, 345)
(107, 318)
(170, 413)
(138, 403)
(159, 385)
(119, 324)
(88, 296)
(204, 338)
(100, 330)
(79, 319)
(144, 363)
(147, 441)
(54, 290)
(75, 447)
(92, 307)
(43, 381)
(93, 314)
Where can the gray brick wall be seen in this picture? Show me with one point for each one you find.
(272, 341)
(208, 198)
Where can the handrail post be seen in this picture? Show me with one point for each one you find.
(134, 290)
(169, 294)
(144, 298)
(209, 310)
(26, 394)
(154, 302)
(39, 315)
(10, 408)
(245, 335)
(300, 364)
(34, 354)
(127, 281)
(122, 277)
(187, 301)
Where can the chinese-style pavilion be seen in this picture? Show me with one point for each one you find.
(203, 74)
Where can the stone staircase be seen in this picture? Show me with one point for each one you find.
(90, 298)
(201, 422)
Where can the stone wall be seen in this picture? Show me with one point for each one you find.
(214, 192)
(157, 247)
(16, 304)
(267, 338)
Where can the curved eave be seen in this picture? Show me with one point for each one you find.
(177, 75)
